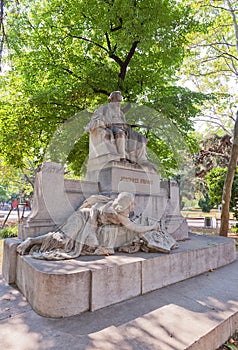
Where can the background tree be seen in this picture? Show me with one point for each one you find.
(205, 203)
(15, 184)
(215, 68)
(215, 181)
(214, 152)
(66, 56)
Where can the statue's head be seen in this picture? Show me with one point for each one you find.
(124, 202)
(115, 96)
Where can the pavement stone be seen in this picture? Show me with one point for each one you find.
(196, 314)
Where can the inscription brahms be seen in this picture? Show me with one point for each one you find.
(136, 180)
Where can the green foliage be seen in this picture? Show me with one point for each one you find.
(211, 62)
(230, 346)
(15, 183)
(204, 204)
(8, 232)
(234, 229)
(78, 155)
(214, 152)
(68, 56)
(215, 181)
(235, 213)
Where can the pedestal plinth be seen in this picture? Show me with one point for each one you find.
(126, 177)
(154, 198)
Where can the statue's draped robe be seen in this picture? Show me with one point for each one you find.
(93, 230)
(101, 131)
(82, 232)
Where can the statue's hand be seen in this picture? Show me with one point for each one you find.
(21, 249)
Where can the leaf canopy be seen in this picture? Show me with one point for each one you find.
(66, 56)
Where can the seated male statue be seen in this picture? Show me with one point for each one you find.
(110, 123)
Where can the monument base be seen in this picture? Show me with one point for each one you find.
(70, 287)
(56, 198)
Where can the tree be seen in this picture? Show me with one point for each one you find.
(214, 152)
(227, 189)
(2, 31)
(205, 204)
(216, 68)
(15, 183)
(66, 56)
(215, 181)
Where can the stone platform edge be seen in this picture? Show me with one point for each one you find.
(70, 287)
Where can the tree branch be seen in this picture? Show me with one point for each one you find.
(205, 153)
(217, 7)
(108, 42)
(28, 179)
(211, 72)
(234, 22)
(3, 34)
(100, 91)
(88, 40)
(116, 28)
(127, 60)
(213, 44)
(213, 122)
(116, 59)
(112, 54)
(70, 72)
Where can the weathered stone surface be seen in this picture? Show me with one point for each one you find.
(55, 199)
(10, 259)
(111, 138)
(116, 282)
(54, 290)
(193, 257)
(177, 226)
(64, 288)
(196, 314)
(123, 176)
(93, 228)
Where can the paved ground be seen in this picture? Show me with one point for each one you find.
(197, 314)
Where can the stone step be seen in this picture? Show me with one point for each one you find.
(70, 287)
(200, 313)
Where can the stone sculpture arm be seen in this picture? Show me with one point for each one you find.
(94, 124)
(29, 242)
(125, 221)
(98, 120)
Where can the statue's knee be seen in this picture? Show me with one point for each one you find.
(120, 135)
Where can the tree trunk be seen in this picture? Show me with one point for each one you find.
(226, 196)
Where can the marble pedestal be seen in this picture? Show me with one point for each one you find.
(55, 198)
(154, 198)
(70, 287)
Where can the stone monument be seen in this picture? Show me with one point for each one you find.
(89, 227)
(117, 164)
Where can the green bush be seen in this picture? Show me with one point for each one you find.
(8, 232)
(205, 204)
(215, 182)
(234, 229)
